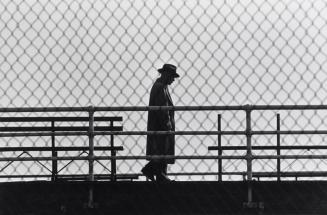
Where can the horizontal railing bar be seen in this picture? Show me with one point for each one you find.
(25, 176)
(290, 174)
(69, 176)
(287, 107)
(194, 173)
(255, 174)
(59, 148)
(169, 174)
(45, 109)
(22, 134)
(107, 176)
(177, 108)
(212, 108)
(58, 128)
(293, 132)
(170, 132)
(119, 158)
(267, 147)
(60, 119)
(183, 157)
(104, 176)
(98, 177)
(127, 175)
(296, 157)
(161, 133)
(43, 134)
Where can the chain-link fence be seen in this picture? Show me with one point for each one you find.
(105, 53)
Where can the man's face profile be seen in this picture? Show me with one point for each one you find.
(171, 79)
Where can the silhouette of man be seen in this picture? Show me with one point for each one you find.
(161, 120)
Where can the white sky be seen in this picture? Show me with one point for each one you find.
(77, 53)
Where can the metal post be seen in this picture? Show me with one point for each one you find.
(249, 153)
(278, 147)
(54, 153)
(249, 157)
(113, 154)
(220, 169)
(91, 155)
(91, 143)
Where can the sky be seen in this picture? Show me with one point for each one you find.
(106, 53)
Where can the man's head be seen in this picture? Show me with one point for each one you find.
(168, 72)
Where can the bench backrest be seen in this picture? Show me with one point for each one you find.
(54, 127)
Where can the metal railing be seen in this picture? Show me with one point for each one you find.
(248, 132)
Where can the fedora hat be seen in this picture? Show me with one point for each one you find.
(170, 69)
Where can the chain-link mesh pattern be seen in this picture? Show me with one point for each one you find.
(105, 53)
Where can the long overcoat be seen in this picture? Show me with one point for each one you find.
(161, 120)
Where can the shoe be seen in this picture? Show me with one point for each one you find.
(163, 178)
(148, 173)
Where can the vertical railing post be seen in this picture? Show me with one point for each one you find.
(278, 147)
(91, 155)
(91, 143)
(113, 154)
(220, 169)
(248, 134)
(250, 204)
(54, 153)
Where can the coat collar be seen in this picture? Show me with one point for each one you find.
(165, 90)
(160, 80)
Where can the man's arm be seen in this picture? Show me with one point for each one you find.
(163, 115)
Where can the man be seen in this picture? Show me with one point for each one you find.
(161, 120)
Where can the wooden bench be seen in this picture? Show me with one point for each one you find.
(277, 174)
(54, 149)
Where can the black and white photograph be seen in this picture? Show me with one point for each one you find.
(168, 107)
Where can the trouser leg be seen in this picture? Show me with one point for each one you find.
(164, 168)
(149, 170)
(162, 172)
(157, 168)
(151, 166)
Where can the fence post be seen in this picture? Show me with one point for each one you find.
(278, 147)
(54, 153)
(220, 169)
